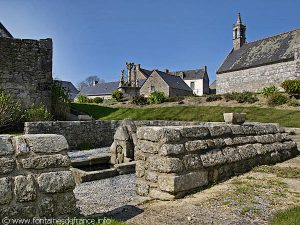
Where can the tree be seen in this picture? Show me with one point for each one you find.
(89, 81)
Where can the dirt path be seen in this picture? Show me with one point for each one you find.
(248, 199)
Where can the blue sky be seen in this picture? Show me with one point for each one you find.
(97, 37)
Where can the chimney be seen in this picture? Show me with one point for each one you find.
(95, 82)
(138, 66)
(166, 71)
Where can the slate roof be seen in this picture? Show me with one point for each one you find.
(100, 89)
(147, 73)
(4, 32)
(67, 85)
(213, 85)
(191, 74)
(173, 81)
(269, 50)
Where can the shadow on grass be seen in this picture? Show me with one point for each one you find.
(94, 110)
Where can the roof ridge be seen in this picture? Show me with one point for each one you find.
(273, 36)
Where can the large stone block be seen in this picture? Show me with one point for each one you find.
(171, 149)
(165, 165)
(48, 161)
(41, 143)
(243, 140)
(6, 193)
(176, 183)
(247, 151)
(148, 146)
(213, 158)
(195, 132)
(159, 134)
(7, 165)
(151, 176)
(231, 154)
(65, 204)
(142, 187)
(193, 146)
(122, 134)
(266, 139)
(6, 147)
(46, 207)
(24, 188)
(220, 131)
(53, 182)
(192, 162)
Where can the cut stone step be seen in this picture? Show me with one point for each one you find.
(88, 161)
(125, 168)
(83, 176)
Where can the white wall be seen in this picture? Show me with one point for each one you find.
(198, 90)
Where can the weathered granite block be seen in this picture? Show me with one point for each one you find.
(192, 146)
(49, 161)
(7, 165)
(195, 132)
(142, 187)
(231, 154)
(176, 183)
(42, 143)
(213, 158)
(148, 146)
(217, 131)
(171, 149)
(6, 193)
(165, 165)
(54, 182)
(247, 151)
(192, 162)
(157, 194)
(24, 188)
(6, 147)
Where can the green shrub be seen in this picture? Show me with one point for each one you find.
(270, 90)
(244, 97)
(81, 98)
(140, 100)
(157, 97)
(229, 96)
(292, 87)
(10, 111)
(60, 105)
(213, 98)
(277, 99)
(98, 100)
(37, 113)
(294, 103)
(118, 95)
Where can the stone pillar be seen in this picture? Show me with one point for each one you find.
(35, 177)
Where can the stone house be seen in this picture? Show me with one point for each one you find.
(170, 85)
(197, 80)
(257, 64)
(26, 68)
(102, 90)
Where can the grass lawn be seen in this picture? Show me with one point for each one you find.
(287, 118)
(288, 217)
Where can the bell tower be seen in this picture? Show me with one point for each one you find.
(239, 34)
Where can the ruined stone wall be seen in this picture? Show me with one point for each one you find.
(255, 79)
(97, 133)
(172, 161)
(35, 180)
(26, 69)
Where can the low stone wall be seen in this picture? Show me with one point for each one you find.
(172, 161)
(96, 133)
(35, 180)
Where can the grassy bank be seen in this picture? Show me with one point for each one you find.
(288, 118)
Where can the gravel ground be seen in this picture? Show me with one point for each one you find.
(88, 153)
(105, 195)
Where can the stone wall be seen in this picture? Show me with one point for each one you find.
(255, 79)
(35, 180)
(26, 69)
(172, 161)
(157, 82)
(96, 133)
